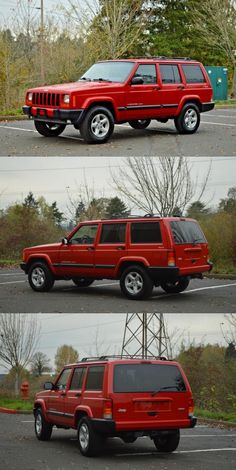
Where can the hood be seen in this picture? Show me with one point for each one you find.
(37, 248)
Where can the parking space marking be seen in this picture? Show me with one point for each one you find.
(211, 287)
(218, 124)
(10, 282)
(12, 274)
(144, 454)
(18, 128)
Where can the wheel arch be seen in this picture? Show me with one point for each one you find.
(104, 103)
(35, 258)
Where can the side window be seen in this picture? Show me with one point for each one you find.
(147, 72)
(193, 74)
(63, 379)
(85, 235)
(77, 378)
(146, 232)
(95, 378)
(170, 73)
(113, 233)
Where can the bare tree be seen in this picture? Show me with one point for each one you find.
(159, 184)
(215, 21)
(229, 329)
(19, 334)
(40, 363)
(111, 27)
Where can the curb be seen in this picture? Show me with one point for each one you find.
(220, 276)
(11, 411)
(18, 117)
(214, 422)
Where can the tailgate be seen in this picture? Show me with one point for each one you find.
(190, 245)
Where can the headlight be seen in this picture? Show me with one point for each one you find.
(30, 96)
(66, 99)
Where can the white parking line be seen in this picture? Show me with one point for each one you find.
(137, 454)
(10, 282)
(12, 274)
(223, 116)
(218, 124)
(207, 435)
(211, 287)
(18, 128)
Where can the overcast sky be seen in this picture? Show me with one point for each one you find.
(54, 178)
(81, 330)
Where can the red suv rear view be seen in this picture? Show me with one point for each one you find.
(126, 398)
(126, 90)
(141, 252)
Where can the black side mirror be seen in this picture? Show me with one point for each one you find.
(48, 386)
(137, 80)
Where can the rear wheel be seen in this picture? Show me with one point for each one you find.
(89, 441)
(83, 282)
(97, 126)
(49, 129)
(135, 283)
(188, 120)
(177, 286)
(167, 443)
(40, 277)
(140, 123)
(43, 430)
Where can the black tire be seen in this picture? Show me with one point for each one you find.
(140, 123)
(49, 129)
(188, 120)
(167, 443)
(87, 433)
(163, 120)
(40, 277)
(175, 287)
(83, 282)
(43, 430)
(135, 283)
(97, 126)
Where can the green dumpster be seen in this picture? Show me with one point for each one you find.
(219, 81)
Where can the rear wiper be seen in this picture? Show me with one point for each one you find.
(164, 388)
(197, 240)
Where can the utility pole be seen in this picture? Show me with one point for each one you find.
(145, 335)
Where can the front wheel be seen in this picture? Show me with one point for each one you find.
(43, 430)
(176, 286)
(135, 283)
(49, 129)
(97, 126)
(140, 123)
(89, 441)
(40, 277)
(188, 120)
(167, 443)
(83, 282)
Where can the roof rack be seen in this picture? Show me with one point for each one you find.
(163, 57)
(133, 217)
(135, 356)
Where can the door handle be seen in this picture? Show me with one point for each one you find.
(156, 88)
(63, 394)
(181, 87)
(90, 248)
(120, 247)
(78, 394)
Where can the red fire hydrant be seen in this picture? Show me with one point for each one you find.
(24, 390)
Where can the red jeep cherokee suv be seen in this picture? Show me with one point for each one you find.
(126, 398)
(141, 252)
(117, 91)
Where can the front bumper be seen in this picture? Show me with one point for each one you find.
(57, 116)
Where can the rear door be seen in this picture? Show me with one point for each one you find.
(172, 88)
(147, 240)
(110, 248)
(149, 396)
(190, 245)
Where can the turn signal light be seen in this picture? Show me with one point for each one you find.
(171, 259)
(107, 409)
(190, 407)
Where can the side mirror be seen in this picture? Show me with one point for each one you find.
(48, 386)
(64, 241)
(137, 80)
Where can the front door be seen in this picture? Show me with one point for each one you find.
(56, 400)
(143, 101)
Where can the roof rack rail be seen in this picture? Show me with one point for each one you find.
(133, 217)
(119, 356)
(163, 57)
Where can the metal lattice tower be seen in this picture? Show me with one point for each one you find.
(145, 335)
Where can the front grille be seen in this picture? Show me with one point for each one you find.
(46, 99)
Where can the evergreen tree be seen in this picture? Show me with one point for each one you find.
(116, 208)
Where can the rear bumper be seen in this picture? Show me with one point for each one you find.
(57, 116)
(110, 427)
(103, 426)
(162, 274)
(207, 106)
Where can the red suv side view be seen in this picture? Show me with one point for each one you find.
(142, 252)
(126, 398)
(126, 90)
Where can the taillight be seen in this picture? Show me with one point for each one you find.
(190, 407)
(171, 259)
(107, 409)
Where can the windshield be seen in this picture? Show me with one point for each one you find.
(187, 232)
(108, 71)
(147, 378)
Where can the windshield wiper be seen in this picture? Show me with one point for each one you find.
(85, 78)
(101, 80)
(164, 388)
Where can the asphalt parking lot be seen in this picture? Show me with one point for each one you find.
(216, 136)
(207, 295)
(201, 448)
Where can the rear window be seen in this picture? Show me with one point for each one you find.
(147, 378)
(187, 232)
(95, 378)
(193, 74)
(146, 232)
